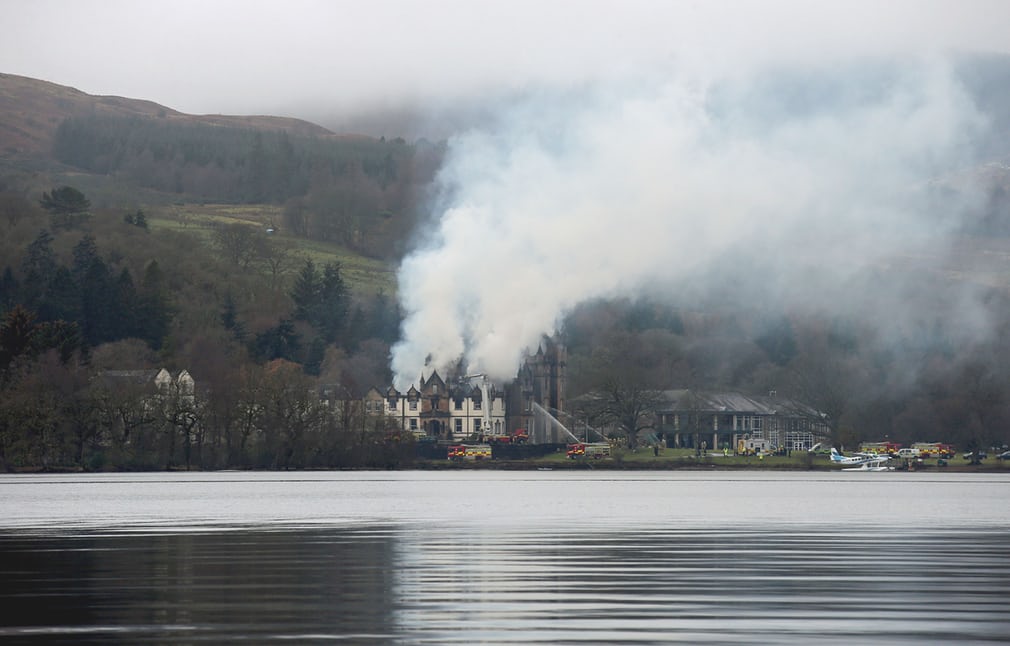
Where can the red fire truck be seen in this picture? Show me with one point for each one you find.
(518, 436)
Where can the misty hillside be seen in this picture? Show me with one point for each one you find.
(31, 110)
(360, 192)
(258, 254)
(237, 248)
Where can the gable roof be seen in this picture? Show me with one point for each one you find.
(732, 402)
(135, 376)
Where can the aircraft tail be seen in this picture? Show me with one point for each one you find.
(835, 455)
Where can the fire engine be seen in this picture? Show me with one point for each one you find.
(470, 452)
(880, 448)
(518, 436)
(934, 449)
(595, 450)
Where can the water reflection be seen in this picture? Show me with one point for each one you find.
(196, 587)
(411, 584)
(727, 586)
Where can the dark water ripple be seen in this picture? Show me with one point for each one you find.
(724, 587)
(503, 559)
(412, 585)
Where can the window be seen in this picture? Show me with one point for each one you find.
(413, 424)
(458, 404)
(413, 404)
(459, 427)
(476, 404)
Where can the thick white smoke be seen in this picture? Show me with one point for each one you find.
(782, 185)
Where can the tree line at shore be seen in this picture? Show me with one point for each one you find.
(84, 292)
(270, 358)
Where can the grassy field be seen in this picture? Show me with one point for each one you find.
(673, 458)
(363, 275)
(644, 458)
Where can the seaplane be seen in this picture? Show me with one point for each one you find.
(861, 461)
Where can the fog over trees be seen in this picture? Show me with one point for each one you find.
(634, 235)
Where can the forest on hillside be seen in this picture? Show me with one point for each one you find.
(273, 337)
(360, 192)
(100, 290)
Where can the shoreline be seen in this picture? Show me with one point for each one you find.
(634, 462)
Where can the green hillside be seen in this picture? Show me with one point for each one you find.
(364, 275)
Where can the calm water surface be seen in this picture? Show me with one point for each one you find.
(505, 558)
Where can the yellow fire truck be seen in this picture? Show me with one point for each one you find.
(596, 450)
(934, 449)
(470, 452)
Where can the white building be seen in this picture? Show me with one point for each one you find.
(434, 409)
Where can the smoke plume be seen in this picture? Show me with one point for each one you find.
(784, 187)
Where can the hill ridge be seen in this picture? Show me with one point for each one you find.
(31, 110)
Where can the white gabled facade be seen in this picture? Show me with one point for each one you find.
(433, 409)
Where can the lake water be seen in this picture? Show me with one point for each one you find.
(494, 557)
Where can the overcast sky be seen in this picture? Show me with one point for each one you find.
(326, 58)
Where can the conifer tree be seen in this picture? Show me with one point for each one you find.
(124, 307)
(229, 319)
(16, 331)
(330, 314)
(8, 289)
(278, 342)
(66, 206)
(38, 267)
(153, 311)
(306, 291)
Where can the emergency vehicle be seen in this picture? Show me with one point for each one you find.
(518, 436)
(470, 452)
(880, 448)
(934, 449)
(595, 450)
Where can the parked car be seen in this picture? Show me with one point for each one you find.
(1005, 455)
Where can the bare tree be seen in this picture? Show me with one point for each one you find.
(180, 418)
(279, 259)
(238, 242)
(626, 381)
